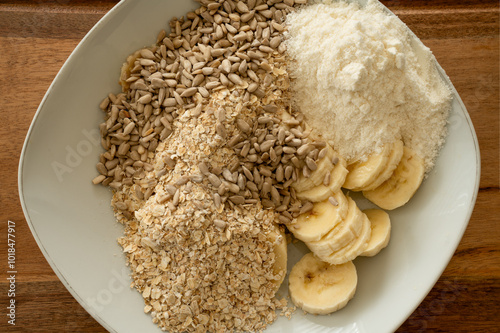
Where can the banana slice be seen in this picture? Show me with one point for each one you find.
(392, 163)
(322, 191)
(320, 288)
(338, 174)
(341, 235)
(402, 185)
(315, 194)
(324, 166)
(381, 231)
(278, 238)
(324, 216)
(363, 173)
(355, 248)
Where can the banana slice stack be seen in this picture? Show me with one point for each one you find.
(337, 231)
(388, 178)
(321, 286)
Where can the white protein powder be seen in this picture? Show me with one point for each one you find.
(362, 80)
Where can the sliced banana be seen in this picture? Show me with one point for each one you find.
(324, 216)
(392, 163)
(315, 194)
(363, 173)
(322, 191)
(353, 249)
(381, 231)
(278, 238)
(341, 235)
(402, 185)
(338, 174)
(324, 166)
(320, 288)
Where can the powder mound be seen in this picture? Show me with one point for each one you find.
(362, 80)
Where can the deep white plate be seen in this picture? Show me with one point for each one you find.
(72, 221)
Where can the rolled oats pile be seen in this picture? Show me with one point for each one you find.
(201, 149)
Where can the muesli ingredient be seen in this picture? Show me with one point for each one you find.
(199, 151)
(376, 169)
(381, 231)
(321, 288)
(402, 185)
(362, 80)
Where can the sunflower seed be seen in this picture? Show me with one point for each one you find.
(203, 168)
(228, 176)
(217, 200)
(221, 130)
(275, 42)
(322, 153)
(306, 207)
(333, 201)
(311, 164)
(266, 203)
(326, 180)
(214, 180)
(283, 219)
(266, 145)
(220, 224)
(181, 181)
(175, 199)
(98, 179)
(237, 199)
(235, 79)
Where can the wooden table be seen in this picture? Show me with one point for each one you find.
(36, 37)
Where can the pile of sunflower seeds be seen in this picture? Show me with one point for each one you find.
(271, 154)
(221, 45)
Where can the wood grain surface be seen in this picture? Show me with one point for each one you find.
(36, 37)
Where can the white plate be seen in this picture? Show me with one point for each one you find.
(72, 221)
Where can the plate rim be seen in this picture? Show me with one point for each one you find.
(103, 20)
(94, 30)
